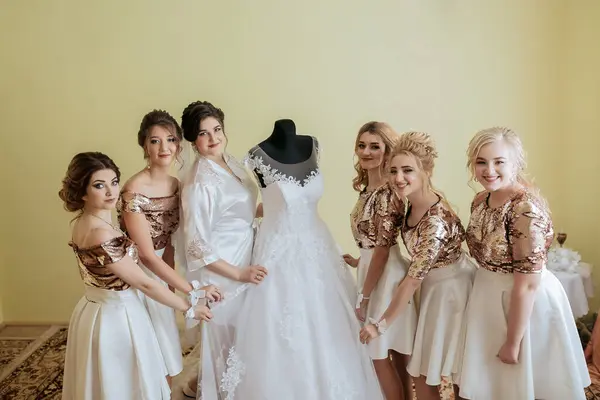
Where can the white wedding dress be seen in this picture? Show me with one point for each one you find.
(295, 335)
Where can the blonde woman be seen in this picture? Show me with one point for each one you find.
(375, 221)
(521, 340)
(433, 235)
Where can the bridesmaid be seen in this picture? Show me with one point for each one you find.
(521, 340)
(148, 210)
(218, 208)
(381, 266)
(433, 236)
(112, 350)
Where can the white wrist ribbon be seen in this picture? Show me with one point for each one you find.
(190, 313)
(196, 294)
(360, 299)
(381, 325)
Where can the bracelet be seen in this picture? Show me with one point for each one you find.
(195, 284)
(380, 325)
(190, 313)
(360, 299)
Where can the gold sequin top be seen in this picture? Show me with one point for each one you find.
(162, 214)
(93, 260)
(376, 218)
(435, 241)
(514, 237)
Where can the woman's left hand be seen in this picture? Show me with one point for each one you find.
(368, 333)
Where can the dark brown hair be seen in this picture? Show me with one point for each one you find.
(76, 180)
(194, 114)
(160, 118)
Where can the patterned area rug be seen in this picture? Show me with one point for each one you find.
(10, 350)
(39, 376)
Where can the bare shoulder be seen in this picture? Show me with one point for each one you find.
(136, 183)
(95, 236)
(175, 184)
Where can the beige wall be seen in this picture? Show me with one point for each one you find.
(78, 77)
(580, 156)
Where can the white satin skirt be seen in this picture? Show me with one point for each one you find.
(439, 339)
(401, 333)
(112, 351)
(551, 361)
(165, 326)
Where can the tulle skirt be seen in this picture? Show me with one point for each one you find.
(165, 326)
(400, 334)
(112, 351)
(440, 332)
(295, 336)
(551, 361)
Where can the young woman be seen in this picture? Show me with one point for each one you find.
(219, 208)
(433, 235)
(381, 267)
(112, 350)
(521, 340)
(148, 209)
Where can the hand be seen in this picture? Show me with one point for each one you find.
(361, 313)
(351, 261)
(213, 294)
(202, 313)
(368, 333)
(253, 274)
(509, 353)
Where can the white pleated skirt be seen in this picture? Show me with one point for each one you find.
(400, 334)
(439, 338)
(551, 361)
(112, 351)
(165, 326)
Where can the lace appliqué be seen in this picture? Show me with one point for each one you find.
(206, 174)
(271, 175)
(197, 248)
(233, 375)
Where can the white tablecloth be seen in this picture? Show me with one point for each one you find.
(578, 286)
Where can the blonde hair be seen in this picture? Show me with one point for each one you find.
(499, 133)
(389, 138)
(421, 147)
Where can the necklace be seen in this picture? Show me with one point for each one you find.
(116, 228)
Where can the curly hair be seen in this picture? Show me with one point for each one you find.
(194, 113)
(387, 135)
(76, 180)
(160, 118)
(421, 147)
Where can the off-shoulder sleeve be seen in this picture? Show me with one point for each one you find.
(527, 228)
(432, 235)
(133, 202)
(386, 219)
(111, 251)
(199, 211)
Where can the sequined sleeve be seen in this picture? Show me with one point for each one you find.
(111, 251)
(528, 229)
(386, 219)
(432, 236)
(132, 202)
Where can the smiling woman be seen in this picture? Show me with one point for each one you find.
(149, 212)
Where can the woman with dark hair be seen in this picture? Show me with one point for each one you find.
(148, 210)
(112, 350)
(218, 200)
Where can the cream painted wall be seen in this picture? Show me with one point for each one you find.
(580, 159)
(78, 76)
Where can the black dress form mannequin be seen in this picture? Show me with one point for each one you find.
(285, 146)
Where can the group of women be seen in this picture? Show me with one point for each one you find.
(499, 327)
